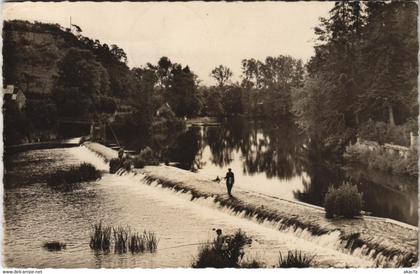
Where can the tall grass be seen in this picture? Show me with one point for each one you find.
(140, 243)
(100, 239)
(120, 239)
(76, 174)
(124, 239)
(295, 259)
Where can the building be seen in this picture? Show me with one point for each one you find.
(13, 96)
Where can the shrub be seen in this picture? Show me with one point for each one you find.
(295, 259)
(54, 246)
(76, 174)
(114, 165)
(382, 160)
(146, 157)
(344, 201)
(210, 255)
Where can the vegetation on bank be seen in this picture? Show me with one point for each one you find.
(230, 253)
(364, 71)
(295, 259)
(76, 174)
(224, 254)
(344, 201)
(123, 239)
(380, 159)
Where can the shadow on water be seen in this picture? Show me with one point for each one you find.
(276, 155)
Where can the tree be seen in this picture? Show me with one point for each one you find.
(81, 79)
(183, 95)
(222, 75)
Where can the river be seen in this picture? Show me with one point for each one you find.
(272, 158)
(36, 213)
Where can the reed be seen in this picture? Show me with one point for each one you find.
(100, 239)
(140, 243)
(120, 239)
(54, 246)
(124, 239)
(295, 259)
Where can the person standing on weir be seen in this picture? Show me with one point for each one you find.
(230, 179)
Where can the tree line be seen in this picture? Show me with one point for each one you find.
(361, 80)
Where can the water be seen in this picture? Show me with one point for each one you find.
(272, 158)
(35, 213)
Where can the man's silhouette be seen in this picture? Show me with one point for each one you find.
(230, 179)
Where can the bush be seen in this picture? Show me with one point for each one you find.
(210, 255)
(76, 174)
(114, 165)
(344, 201)
(54, 246)
(295, 259)
(146, 157)
(382, 160)
(384, 133)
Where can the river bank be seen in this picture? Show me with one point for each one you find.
(388, 242)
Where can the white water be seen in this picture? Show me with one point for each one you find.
(327, 248)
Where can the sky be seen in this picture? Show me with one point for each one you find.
(202, 35)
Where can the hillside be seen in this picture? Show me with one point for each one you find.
(32, 52)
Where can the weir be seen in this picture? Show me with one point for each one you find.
(388, 243)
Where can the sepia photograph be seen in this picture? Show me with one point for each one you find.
(143, 135)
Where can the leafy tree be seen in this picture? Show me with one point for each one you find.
(222, 75)
(183, 95)
(232, 101)
(80, 81)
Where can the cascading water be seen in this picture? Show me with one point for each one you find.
(331, 241)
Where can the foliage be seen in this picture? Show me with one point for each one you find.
(343, 201)
(80, 79)
(382, 160)
(364, 68)
(232, 101)
(114, 165)
(146, 157)
(295, 259)
(384, 133)
(76, 174)
(222, 75)
(212, 256)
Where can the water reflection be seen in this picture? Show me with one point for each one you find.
(275, 158)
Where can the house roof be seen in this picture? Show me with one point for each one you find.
(9, 89)
(10, 92)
